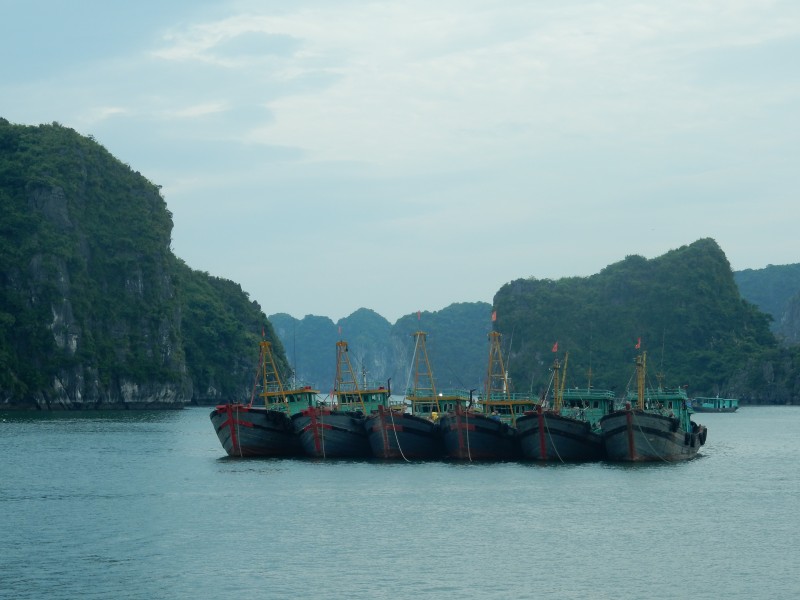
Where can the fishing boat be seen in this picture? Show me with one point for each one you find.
(256, 429)
(337, 430)
(716, 404)
(485, 430)
(570, 430)
(657, 428)
(395, 433)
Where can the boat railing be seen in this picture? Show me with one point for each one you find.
(426, 396)
(590, 394)
(499, 397)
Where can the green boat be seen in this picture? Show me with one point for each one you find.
(657, 427)
(716, 404)
(570, 430)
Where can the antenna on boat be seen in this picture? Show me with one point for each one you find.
(589, 372)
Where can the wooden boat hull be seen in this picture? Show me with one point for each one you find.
(638, 436)
(548, 436)
(326, 433)
(402, 435)
(254, 431)
(468, 435)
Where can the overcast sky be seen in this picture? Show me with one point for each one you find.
(401, 155)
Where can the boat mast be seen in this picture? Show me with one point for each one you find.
(346, 382)
(270, 376)
(424, 386)
(496, 376)
(641, 368)
(559, 379)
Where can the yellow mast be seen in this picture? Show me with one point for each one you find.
(423, 375)
(346, 383)
(558, 383)
(641, 369)
(270, 370)
(496, 376)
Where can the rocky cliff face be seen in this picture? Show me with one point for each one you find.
(90, 312)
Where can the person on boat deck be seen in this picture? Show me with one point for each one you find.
(495, 416)
(434, 415)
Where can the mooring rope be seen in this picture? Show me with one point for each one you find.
(633, 414)
(550, 435)
(238, 437)
(466, 429)
(396, 439)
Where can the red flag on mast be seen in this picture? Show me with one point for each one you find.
(419, 316)
(555, 346)
(638, 343)
(494, 316)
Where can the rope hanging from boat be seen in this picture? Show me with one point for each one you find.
(466, 428)
(396, 439)
(238, 437)
(550, 435)
(321, 430)
(633, 414)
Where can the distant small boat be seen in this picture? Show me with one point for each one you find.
(570, 430)
(255, 430)
(486, 432)
(659, 427)
(397, 434)
(717, 404)
(337, 430)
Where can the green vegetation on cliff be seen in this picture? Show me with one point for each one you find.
(684, 306)
(775, 289)
(91, 303)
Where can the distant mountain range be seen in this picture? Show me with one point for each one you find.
(704, 326)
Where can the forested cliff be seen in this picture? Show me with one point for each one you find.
(95, 310)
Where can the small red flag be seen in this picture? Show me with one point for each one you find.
(638, 343)
(262, 333)
(494, 315)
(419, 316)
(555, 347)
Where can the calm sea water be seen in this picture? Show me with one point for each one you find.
(144, 505)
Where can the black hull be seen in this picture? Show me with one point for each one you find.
(254, 431)
(549, 436)
(715, 410)
(637, 436)
(468, 435)
(326, 433)
(395, 435)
